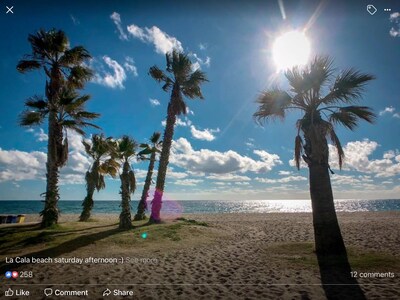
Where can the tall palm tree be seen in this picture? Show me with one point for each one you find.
(182, 81)
(153, 148)
(104, 163)
(321, 113)
(126, 150)
(65, 72)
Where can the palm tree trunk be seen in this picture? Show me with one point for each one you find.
(142, 206)
(87, 203)
(331, 252)
(50, 212)
(328, 238)
(163, 165)
(125, 219)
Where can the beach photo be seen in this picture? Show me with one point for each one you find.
(200, 150)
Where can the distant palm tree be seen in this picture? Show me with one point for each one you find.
(103, 164)
(183, 82)
(320, 115)
(65, 72)
(151, 149)
(126, 150)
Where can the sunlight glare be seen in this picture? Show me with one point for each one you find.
(291, 49)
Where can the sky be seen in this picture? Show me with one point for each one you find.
(218, 152)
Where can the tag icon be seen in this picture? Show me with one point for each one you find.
(371, 9)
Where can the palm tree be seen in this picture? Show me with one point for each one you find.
(321, 113)
(126, 150)
(151, 149)
(182, 82)
(103, 164)
(65, 71)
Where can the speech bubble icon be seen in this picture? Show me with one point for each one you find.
(48, 292)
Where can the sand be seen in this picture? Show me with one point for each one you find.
(238, 256)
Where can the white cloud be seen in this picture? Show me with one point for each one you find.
(188, 182)
(208, 161)
(179, 122)
(390, 110)
(189, 111)
(40, 135)
(176, 175)
(154, 102)
(199, 62)
(281, 180)
(284, 173)
(162, 42)
(203, 46)
(357, 158)
(117, 21)
(205, 135)
(395, 30)
(129, 65)
(18, 165)
(229, 177)
(115, 79)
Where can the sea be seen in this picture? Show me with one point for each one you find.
(206, 206)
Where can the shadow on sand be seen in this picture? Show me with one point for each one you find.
(63, 248)
(336, 279)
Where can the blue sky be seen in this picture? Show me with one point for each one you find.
(219, 152)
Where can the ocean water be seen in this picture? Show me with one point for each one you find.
(206, 206)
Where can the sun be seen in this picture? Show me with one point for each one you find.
(291, 49)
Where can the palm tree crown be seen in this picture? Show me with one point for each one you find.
(182, 80)
(51, 51)
(321, 112)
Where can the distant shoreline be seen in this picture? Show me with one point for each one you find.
(179, 207)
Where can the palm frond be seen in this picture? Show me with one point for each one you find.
(24, 66)
(87, 116)
(88, 148)
(336, 142)
(272, 104)
(132, 182)
(74, 103)
(298, 146)
(37, 103)
(78, 76)
(126, 147)
(74, 56)
(191, 87)
(155, 137)
(31, 118)
(348, 116)
(157, 74)
(348, 87)
(72, 125)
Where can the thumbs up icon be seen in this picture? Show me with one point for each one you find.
(9, 293)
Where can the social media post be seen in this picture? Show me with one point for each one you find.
(206, 150)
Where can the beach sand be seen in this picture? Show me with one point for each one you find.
(237, 256)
